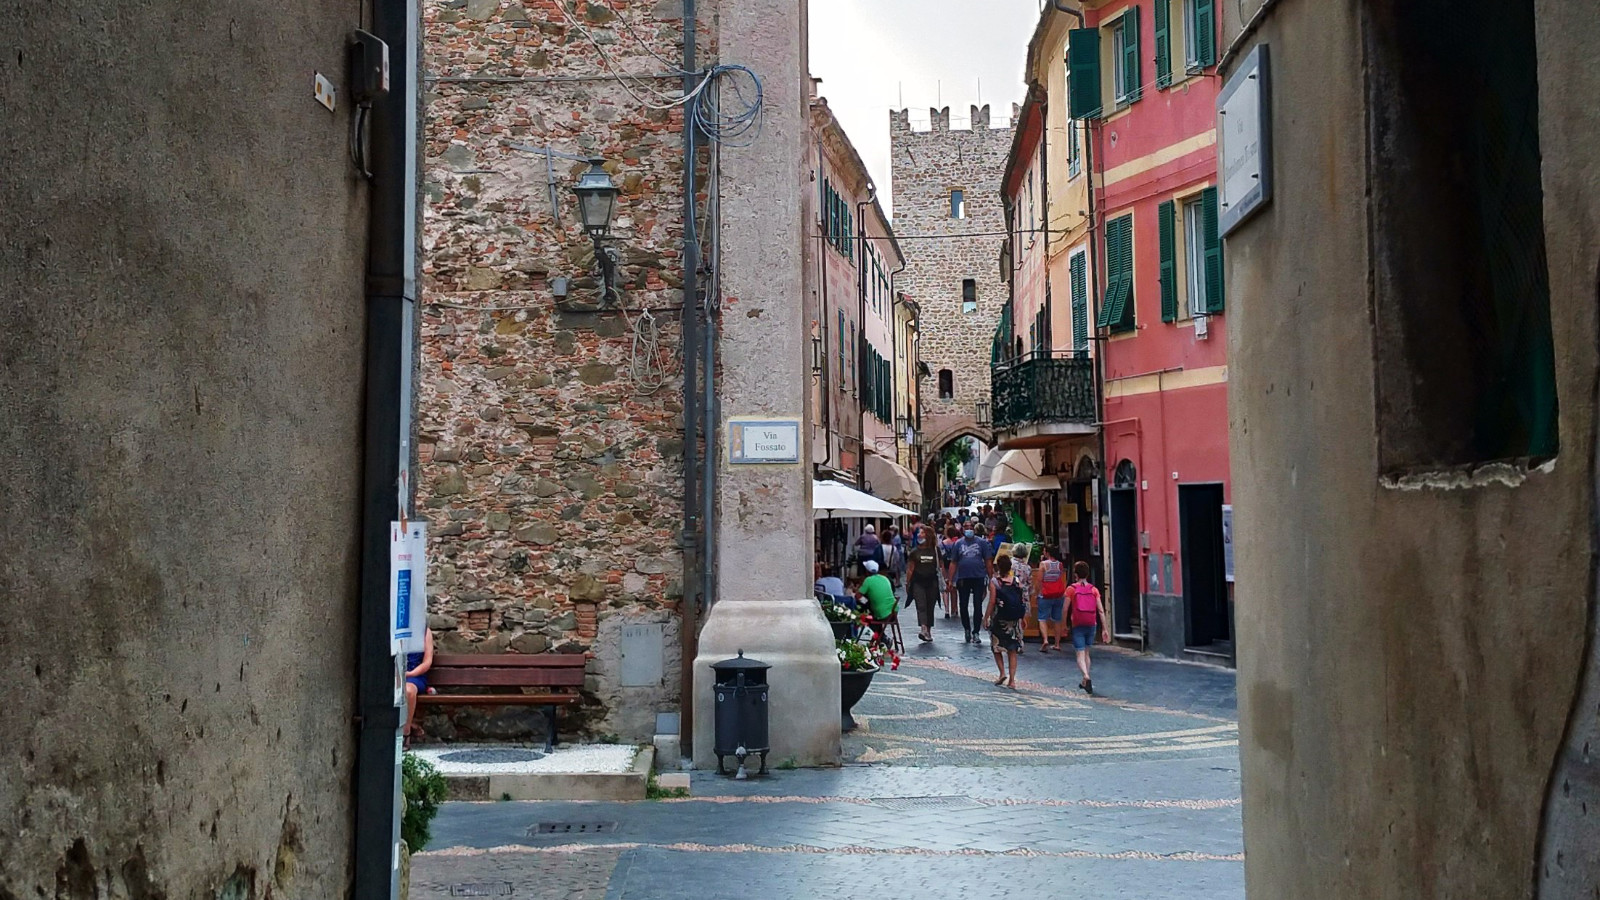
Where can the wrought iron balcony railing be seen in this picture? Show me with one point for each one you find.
(1042, 388)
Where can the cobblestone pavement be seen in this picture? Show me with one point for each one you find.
(1025, 794)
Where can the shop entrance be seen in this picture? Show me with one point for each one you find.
(1205, 588)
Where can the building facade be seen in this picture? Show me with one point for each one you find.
(862, 333)
(551, 423)
(1140, 78)
(1413, 320)
(184, 370)
(947, 211)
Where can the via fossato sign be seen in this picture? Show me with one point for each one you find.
(1244, 140)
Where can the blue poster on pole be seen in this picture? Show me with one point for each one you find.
(408, 596)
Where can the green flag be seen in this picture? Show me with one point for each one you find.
(1020, 532)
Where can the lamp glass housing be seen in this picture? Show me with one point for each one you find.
(597, 198)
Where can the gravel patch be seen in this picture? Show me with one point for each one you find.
(568, 760)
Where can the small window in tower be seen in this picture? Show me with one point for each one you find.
(947, 384)
(958, 204)
(969, 295)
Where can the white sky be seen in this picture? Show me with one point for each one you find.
(870, 53)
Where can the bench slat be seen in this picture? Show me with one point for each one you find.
(498, 699)
(511, 660)
(449, 675)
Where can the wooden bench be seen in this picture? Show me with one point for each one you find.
(558, 678)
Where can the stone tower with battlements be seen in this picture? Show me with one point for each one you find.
(953, 269)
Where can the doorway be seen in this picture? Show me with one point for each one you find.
(1125, 581)
(1205, 587)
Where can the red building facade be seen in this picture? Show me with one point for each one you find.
(1141, 77)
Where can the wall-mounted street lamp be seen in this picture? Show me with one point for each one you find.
(816, 356)
(907, 429)
(597, 202)
(984, 418)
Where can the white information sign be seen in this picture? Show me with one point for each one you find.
(1227, 541)
(408, 588)
(764, 441)
(1244, 141)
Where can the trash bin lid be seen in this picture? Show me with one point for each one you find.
(740, 664)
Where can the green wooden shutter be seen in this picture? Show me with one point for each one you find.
(1167, 216)
(1123, 312)
(1080, 303)
(1205, 39)
(1213, 250)
(1163, 43)
(1083, 73)
(1113, 272)
(1131, 54)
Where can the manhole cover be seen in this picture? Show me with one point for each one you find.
(491, 756)
(574, 828)
(925, 802)
(498, 889)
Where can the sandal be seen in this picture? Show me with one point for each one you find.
(1001, 682)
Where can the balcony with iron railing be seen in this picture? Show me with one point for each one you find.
(1043, 395)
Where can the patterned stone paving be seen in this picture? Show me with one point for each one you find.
(965, 786)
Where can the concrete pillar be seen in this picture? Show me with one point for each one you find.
(763, 528)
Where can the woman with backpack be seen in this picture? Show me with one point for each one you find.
(1088, 610)
(1052, 600)
(1003, 617)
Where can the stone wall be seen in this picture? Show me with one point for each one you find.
(926, 166)
(552, 476)
(180, 462)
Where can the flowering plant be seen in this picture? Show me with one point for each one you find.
(854, 656)
(838, 612)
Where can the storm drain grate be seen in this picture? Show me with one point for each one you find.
(574, 828)
(908, 803)
(497, 889)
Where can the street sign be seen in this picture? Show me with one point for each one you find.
(1244, 141)
(408, 588)
(763, 442)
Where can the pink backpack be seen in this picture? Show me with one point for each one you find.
(1085, 605)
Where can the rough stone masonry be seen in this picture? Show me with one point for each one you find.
(551, 474)
(927, 166)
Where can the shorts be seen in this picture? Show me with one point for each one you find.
(1082, 637)
(1052, 608)
(419, 681)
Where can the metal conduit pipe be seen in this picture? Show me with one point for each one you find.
(688, 611)
(861, 333)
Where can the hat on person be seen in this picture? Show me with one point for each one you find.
(871, 529)
(870, 566)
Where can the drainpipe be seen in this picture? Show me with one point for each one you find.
(708, 400)
(861, 335)
(386, 482)
(688, 609)
(823, 330)
(894, 357)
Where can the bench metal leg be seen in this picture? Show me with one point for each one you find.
(550, 740)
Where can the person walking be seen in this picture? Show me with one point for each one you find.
(947, 569)
(974, 565)
(1088, 609)
(1003, 618)
(1052, 600)
(869, 547)
(922, 581)
(1023, 573)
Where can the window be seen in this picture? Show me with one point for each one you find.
(1117, 312)
(969, 295)
(1083, 74)
(1074, 151)
(947, 384)
(1458, 276)
(1199, 34)
(1194, 254)
(1079, 267)
(1125, 57)
(958, 204)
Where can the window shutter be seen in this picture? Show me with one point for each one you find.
(1163, 43)
(1213, 250)
(1122, 313)
(1205, 39)
(1167, 215)
(1131, 54)
(1113, 272)
(1080, 303)
(1083, 73)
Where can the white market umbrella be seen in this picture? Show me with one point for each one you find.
(832, 500)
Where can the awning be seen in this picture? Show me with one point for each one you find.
(832, 500)
(892, 481)
(1027, 486)
(1013, 467)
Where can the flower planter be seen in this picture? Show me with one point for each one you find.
(843, 631)
(853, 686)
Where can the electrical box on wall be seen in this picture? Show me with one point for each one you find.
(369, 67)
(1201, 328)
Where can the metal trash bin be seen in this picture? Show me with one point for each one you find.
(741, 712)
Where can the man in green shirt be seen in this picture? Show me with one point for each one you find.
(878, 592)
